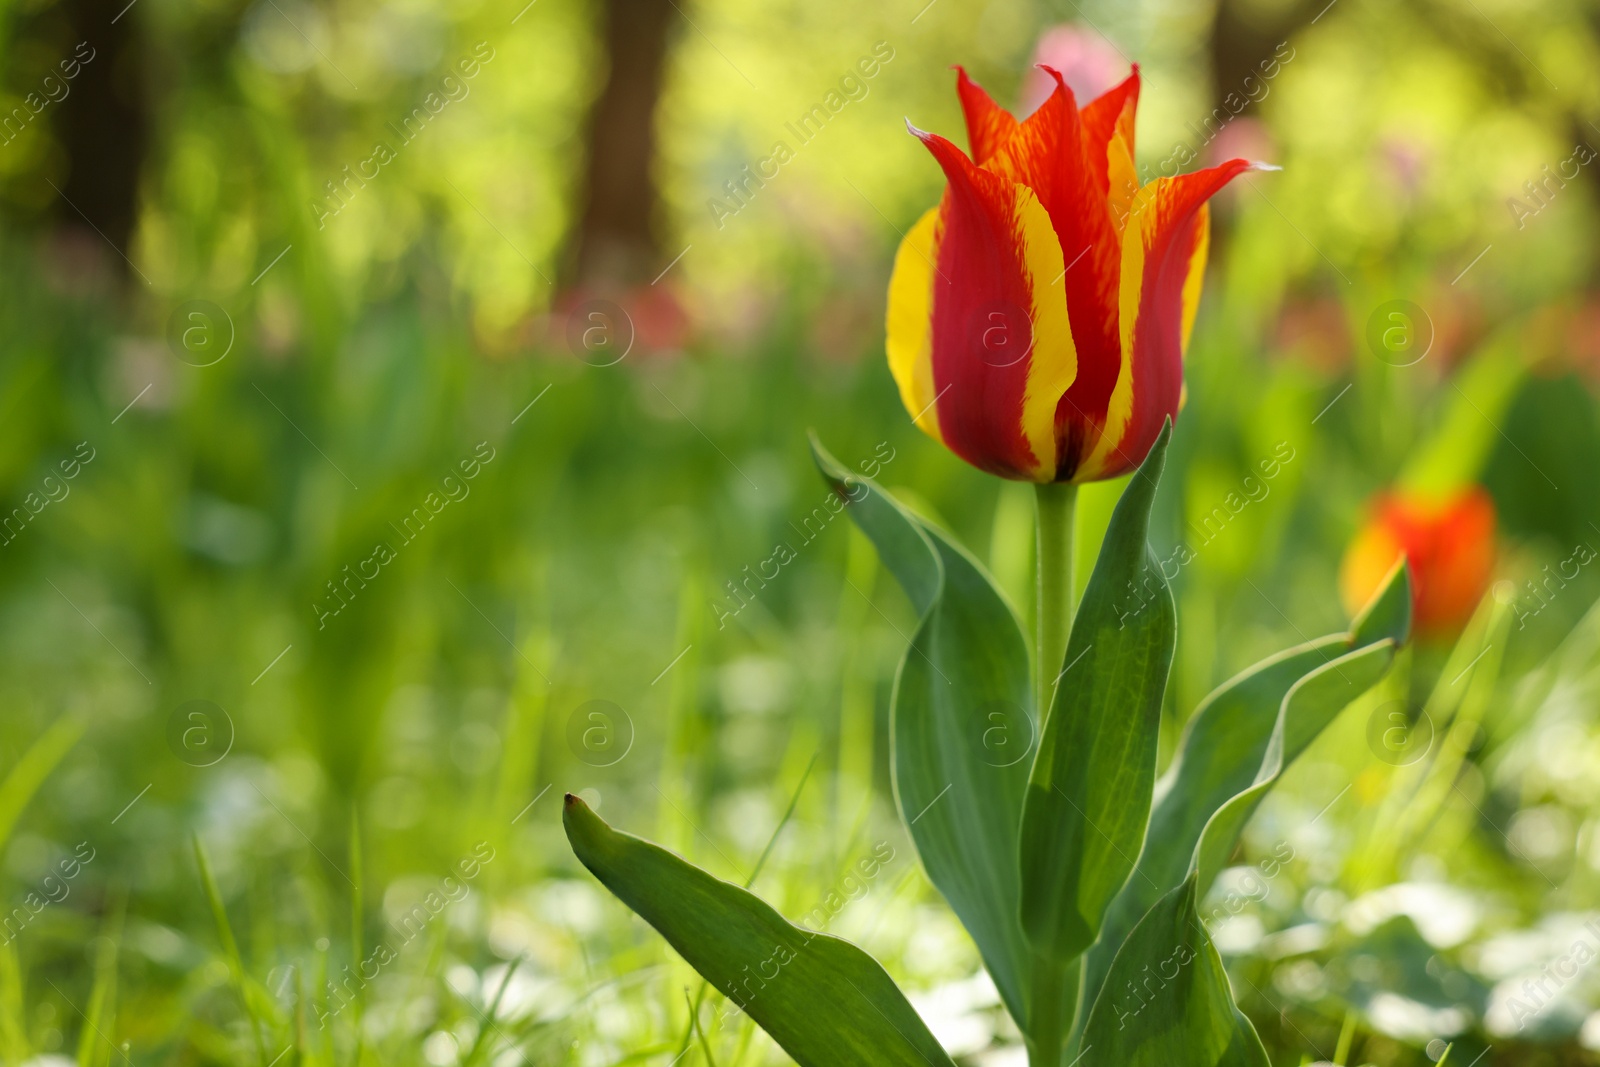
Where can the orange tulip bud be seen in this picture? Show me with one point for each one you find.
(1451, 548)
(1038, 316)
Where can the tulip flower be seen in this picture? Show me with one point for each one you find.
(1038, 316)
(1451, 548)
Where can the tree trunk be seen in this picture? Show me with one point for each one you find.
(103, 127)
(616, 239)
(1242, 39)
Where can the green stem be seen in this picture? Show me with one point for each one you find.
(1054, 988)
(1053, 607)
(1050, 1016)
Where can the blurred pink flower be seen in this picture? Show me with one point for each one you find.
(1244, 137)
(1407, 163)
(605, 323)
(1087, 61)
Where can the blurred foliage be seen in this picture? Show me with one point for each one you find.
(446, 706)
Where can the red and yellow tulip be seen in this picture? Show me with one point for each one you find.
(1038, 316)
(1450, 544)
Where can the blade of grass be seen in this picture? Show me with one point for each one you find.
(30, 772)
(694, 1024)
(524, 721)
(494, 1012)
(357, 949)
(13, 1021)
(95, 1042)
(1347, 1037)
(788, 814)
(683, 726)
(299, 1037)
(230, 947)
(748, 1031)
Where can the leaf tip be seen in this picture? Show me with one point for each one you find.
(1388, 613)
(1156, 458)
(841, 479)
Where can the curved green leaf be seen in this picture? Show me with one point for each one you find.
(961, 725)
(1088, 800)
(1221, 755)
(1167, 1002)
(901, 538)
(1388, 613)
(826, 1002)
(1144, 1015)
(1311, 704)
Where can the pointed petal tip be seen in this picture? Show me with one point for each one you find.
(921, 135)
(1061, 83)
(1257, 164)
(1053, 72)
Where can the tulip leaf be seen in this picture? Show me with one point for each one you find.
(1388, 613)
(1222, 753)
(1088, 798)
(1167, 1002)
(822, 999)
(1310, 705)
(961, 725)
(1144, 1015)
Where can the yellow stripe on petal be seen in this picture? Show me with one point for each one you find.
(1053, 360)
(910, 322)
(1197, 271)
(1122, 181)
(1141, 216)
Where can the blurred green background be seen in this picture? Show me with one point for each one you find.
(492, 286)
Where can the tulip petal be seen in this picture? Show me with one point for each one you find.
(988, 124)
(1048, 154)
(1197, 274)
(1107, 149)
(1108, 146)
(1002, 344)
(1163, 252)
(1053, 363)
(910, 322)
